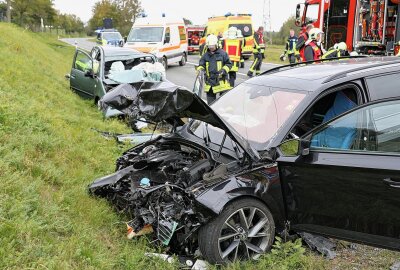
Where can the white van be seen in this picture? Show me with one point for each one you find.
(163, 37)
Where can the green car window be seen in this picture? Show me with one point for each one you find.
(83, 62)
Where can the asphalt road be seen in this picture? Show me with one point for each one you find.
(184, 76)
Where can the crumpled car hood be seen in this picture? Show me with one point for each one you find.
(165, 101)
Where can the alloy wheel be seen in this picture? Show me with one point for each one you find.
(245, 234)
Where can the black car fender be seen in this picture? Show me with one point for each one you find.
(216, 198)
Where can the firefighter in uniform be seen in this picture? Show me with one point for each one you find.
(232, 45)
(258, 52)
(290, 50)
(313, 50)
(301, 41)
(338, 50)
(216, 65)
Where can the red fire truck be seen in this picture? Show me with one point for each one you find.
(367, 26)
(194, 34)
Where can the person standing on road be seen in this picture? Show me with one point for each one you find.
(258, 52)
(313, 50)
(301, 41)
(232, 45)
(216, 65)
(290, 49)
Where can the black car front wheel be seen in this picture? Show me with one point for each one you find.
(244, 230)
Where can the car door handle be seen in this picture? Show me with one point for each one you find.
(391, 183)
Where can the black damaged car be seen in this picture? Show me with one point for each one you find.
(298, 149)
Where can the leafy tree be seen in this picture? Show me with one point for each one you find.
(104, 9)
(122, 12)
(281, 36)
(128, 12)
(28, 13)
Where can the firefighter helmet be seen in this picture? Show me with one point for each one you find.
(232, 32)
(342, 46)
(212, 40)
(313, 34)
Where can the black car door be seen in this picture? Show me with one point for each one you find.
(347, 183)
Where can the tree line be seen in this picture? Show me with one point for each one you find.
(31, 13)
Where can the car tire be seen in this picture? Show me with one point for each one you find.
(183, 60)
(165, 63)
(229, 237)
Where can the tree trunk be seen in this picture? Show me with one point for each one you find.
(9, 11)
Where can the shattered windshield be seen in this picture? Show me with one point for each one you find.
(112, 36)
(256, 112)
(146, 34)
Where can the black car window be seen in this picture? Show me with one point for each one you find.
(375, 128)
(385, 86)
(326, 108)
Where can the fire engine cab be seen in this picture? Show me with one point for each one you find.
(194, 34)
(367, 26)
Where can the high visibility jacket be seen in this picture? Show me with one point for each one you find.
(233, 48)
(259, 45)
(317, 52)
(332, 53)
(212, 64)
(291, 45)
(300, 46)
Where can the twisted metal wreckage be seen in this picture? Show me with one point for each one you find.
(172, 185)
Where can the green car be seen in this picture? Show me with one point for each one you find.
(90, 75)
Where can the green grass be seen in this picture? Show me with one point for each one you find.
(272, 53)
(49, 155)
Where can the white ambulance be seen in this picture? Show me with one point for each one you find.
(163, 37)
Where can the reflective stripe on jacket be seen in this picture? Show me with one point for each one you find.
(316, 50)
(233, 49)
(300, 46)
(291, 45)
(212, 64)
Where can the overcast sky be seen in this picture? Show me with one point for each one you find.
(196, 10)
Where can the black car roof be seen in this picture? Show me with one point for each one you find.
(310, 77)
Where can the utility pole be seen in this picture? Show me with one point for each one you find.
(267, 19)
(9, 11)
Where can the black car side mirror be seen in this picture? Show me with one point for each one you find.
(294, 147)
(166, 40)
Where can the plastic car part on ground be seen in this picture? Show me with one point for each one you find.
(395, 266)
(319, 243)
(185, 263)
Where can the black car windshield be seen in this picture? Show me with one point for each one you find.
(256, 112)
(112, 36)
(146, 34)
